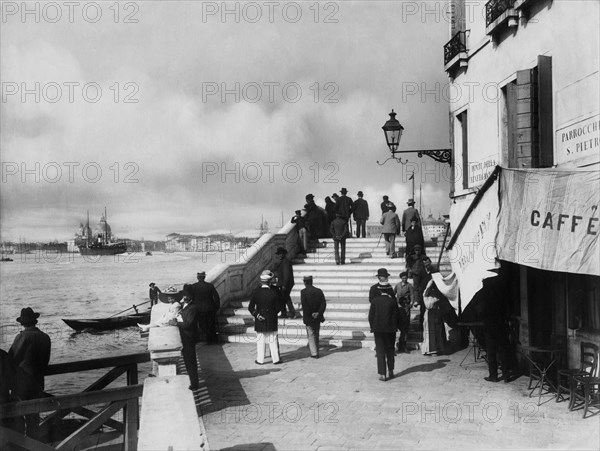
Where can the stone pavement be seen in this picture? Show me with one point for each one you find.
(336, 402)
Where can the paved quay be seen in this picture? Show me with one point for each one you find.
(336, 402)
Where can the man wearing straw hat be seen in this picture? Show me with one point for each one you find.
(263, 307)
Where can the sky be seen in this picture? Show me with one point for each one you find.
(202, 117)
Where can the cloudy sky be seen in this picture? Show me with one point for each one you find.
(179, 118)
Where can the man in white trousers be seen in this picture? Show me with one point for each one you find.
(264, 305)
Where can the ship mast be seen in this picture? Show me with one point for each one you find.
(105, 226)
(87, 229)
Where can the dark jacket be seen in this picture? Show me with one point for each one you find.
(285, 274)
(407, 215)
(264, 301)
(205, 297)
(31, 352)
(384, 314)
(153, 293)
(188, 327)
(313, 300)
(339, 229)
(300, 221)
(344, 205)
(330, 209)
(413, 237)
(378, 289)
(360, 209)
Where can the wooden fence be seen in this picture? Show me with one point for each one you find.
(112, 400)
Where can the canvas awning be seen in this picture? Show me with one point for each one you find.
(549, 219)
(542, 218)
(472, 249)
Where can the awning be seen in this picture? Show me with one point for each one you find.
(542, 218)
(549, 219)
(472, 249)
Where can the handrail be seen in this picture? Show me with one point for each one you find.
(70, 401)
(94, 364)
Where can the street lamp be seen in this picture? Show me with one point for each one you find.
(393, 132)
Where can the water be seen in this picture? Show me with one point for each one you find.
(72, 286)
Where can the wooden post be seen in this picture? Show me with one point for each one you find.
(132, 417)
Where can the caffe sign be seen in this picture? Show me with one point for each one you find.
(578, 140)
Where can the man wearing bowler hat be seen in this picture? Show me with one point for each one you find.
(31, 349)
(208, 302)
(408, 214)
(339, 233)
(285, 281)
(313, 307)
(382, 286)
(344, 205)
(361, 215)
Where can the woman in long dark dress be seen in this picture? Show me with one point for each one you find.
(434, 332)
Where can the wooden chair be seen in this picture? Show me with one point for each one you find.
(586, 388)
(588, 360)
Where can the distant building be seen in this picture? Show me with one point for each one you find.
(434, 227)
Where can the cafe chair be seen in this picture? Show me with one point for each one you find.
(587, 390)
(588, 360)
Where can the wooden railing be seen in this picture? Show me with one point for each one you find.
(113, 400)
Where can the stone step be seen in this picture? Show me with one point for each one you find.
(354, 260)
(349, 272)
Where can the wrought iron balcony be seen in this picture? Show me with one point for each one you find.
(495, 8)
(455, 46)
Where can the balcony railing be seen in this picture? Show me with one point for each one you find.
(455, 46)
(495, 8)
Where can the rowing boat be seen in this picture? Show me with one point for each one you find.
(113, 322)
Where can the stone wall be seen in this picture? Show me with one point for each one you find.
(236, 281)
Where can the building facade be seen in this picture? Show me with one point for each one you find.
(524, 94)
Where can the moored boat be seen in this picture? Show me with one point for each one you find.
(110, 323)
(101, 241)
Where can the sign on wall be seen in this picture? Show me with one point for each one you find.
(480, 170)
(580, 140)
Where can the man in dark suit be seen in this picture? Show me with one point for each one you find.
(313, 307)
(206, 298)
(263, 307)
(361, 215)
(386, 205)
(187, 322)
(419, 269)
(414, 236)
(344, 205)
(285, 281)
(382, 286)
(408, 214)
(339, 232)
(384, 319)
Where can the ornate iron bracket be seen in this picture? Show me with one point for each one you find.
(439, 155)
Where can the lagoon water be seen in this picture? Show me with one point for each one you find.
(72, 286)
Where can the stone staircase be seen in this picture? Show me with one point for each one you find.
(346, 289)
